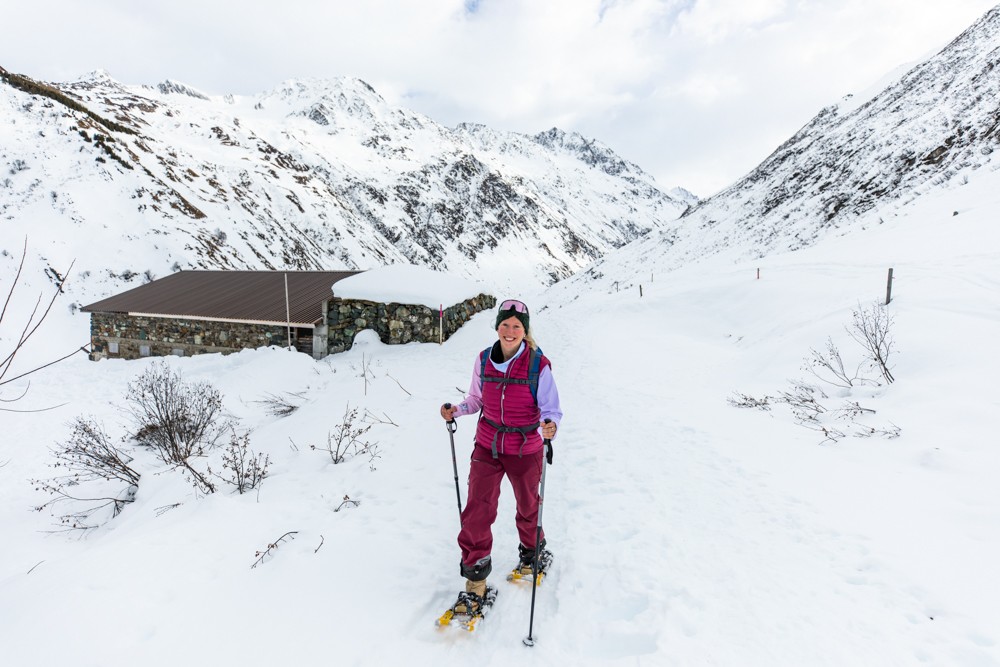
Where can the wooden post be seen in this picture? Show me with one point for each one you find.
(888, 288)
(758, 274)
(288, 314)
(640, 291)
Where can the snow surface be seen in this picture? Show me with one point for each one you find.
(685, 531)
(405, 283)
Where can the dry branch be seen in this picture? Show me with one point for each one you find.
(261, 555)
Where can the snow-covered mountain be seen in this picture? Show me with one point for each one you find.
(855, 166)
(313, 174)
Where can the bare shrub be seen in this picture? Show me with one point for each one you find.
(741, 400)
(809, 406)
(174, 418)
(804, 400)
(281, 406)
(828, 366)
(851, 410)
(268, 551)
(348, 503)
(23, 331)
(83, 461)
(367, 374)
(831, 434)
(398, 383)
(372, 418)
(872, 328)
(177, 420)
(242, 467)
(374, 452)
(891, 431)
(809, 403)
(345, 440)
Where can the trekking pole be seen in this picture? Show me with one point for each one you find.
(529, 640)
(452, 427)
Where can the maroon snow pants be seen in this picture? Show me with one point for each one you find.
(485, 475)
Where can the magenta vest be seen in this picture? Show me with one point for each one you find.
(508, 423)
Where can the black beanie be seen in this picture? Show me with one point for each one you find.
(504, 314)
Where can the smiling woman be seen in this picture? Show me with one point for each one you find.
(513, 390)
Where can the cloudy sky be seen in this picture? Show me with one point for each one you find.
(697, 92)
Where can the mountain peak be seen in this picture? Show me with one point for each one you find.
(101, 76)
(590, 151)
(171, 87)
(311, 88)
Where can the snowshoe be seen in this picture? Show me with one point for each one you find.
(525, 567)
(469, 609)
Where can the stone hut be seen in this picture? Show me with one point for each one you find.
(198, 312)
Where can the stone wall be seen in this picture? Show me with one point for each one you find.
(394, 323)
(397, 323)
(165, 336)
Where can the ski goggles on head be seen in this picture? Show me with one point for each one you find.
(513, 304)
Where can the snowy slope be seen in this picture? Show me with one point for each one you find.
(686, 531)
(856, 163)
(313, 174)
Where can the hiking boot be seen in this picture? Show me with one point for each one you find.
(526, 560)
(471, 601)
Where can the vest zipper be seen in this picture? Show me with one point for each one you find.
(503, 396)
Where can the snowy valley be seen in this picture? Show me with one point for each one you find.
(686, 530)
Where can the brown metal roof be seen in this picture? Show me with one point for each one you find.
(246, 296)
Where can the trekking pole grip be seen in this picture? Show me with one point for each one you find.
(548, 446)
(450, 424)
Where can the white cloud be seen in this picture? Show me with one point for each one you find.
(696, 92)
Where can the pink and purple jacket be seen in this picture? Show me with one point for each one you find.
(506, 406)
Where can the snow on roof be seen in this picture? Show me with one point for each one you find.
(404, 283)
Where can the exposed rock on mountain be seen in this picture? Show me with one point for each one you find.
(169, 86)
(314, 174)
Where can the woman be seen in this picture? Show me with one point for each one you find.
(513, 390)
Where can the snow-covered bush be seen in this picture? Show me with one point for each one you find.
(872, 329)
(95, 477)
(813, 408)
(242, 467)
(345, 440)
(177, 420)
(281, 406)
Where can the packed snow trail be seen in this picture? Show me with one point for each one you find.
(685, 532)
(668, 550)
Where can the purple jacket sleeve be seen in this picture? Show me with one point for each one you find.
(548, 396)
(472, 403)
